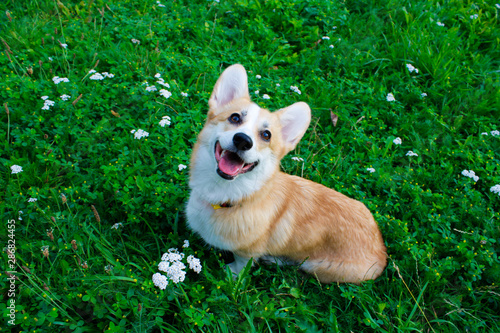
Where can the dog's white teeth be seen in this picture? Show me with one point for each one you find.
(222, 153)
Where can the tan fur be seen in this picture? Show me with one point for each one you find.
(296, 218)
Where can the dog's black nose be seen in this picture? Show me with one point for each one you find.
(242, 141)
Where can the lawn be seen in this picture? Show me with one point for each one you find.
(101, 102)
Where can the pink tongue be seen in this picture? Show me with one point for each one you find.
(230, 166)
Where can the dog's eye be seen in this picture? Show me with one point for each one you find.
(235, 118)
(265, 135)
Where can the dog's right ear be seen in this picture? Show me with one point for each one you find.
(231, 85)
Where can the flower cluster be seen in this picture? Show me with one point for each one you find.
(371, 170)
(411, 153)
(411, 69)
(65, 97)
(165, 93)
(139, 134)
(390, 97)
(58, 79)
(298, 159)
(496, 189)
(159, 4)
(165, 121)
(296, 89)
(16, 169)
(470, 174)
(397, 141)
(266, 96)
(48, 103)
(182, 167)
(99, 76)
(173, 267)
(135, 41)
(32, 200)
(493, 133)
(117, 225)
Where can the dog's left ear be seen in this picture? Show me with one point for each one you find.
(294, 121)
(231, 85)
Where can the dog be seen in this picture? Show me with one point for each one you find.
(240, 200)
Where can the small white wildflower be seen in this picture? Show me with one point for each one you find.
(159, 4)
(157, 75)
(117, 225)
(50, 59)
(182, 167)
(390, 97)
(331, 46)
(165, 121)
(325, 37)
(65, 97)
(32, 199)
(151, 88)
(160, 280)
(474, 17)
(194, 264)
(106, 74)
(186, 244)
(296, 89)
(64, 45)
(411, 69)
(163, 83)
(258, 76)
(397, 141)
(298, 159)
(164, 266)
(371, 170)
(266, 96)
(335, 27)
(256, 92)
(470, 174)
(423, 95)
(495, 189)
(411, 153)
(44, 97)
(278, 85)
(92, 71)
(172, 255)
(495, 133)
(165, 93)
(440, 24)
(497, 5)
(484, 133)
(135, 41)
(184, 94)
(96, 76)
(58, 79)
(176, 272)
(16, 169)
(139, 134)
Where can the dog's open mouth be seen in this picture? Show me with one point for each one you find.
(230, 163)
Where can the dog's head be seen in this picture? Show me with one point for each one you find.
(241, 143)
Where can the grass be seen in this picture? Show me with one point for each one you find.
(88, 173)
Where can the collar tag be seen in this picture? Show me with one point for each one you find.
(223, 205)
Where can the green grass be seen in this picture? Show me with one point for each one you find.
(440, 227)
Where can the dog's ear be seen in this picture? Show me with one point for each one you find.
(231, 85)
(294, 122)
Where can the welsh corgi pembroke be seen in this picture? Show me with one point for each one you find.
(240, 200)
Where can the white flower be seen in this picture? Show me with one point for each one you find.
(159, 4)
(411, 69)
(278, 85)
(194, 264)
(495, 133)
(92, 71)
(117, 225)
(96, 76)
(296, 89)
(184, 94)
(106, 74)
(266, 96)
(135, 41)
(64, 45)
(410, 153)
(470, 174)
(172, 255)
(256, 92)
(157, 75)
(186, 244)
(423, 95)
(151, 88)
(139, 134)
(44, 97)
(176, 272)
(32, 199)
(325, 37)
(182, 167)
(165, 121)
(440, 24)
(331, 46)
(484, 133)
(258, 76)
(397, 141)
(474, 17)
(50, 59)
(335, 27)
(65, 97)
(160, 280)
(390, 97)
(16, 169)
(495, 189)
(165, 93)
(371, 170)
(497, 5)
(298, 159)
(164, 266)
(163, 83)
(58, 79)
